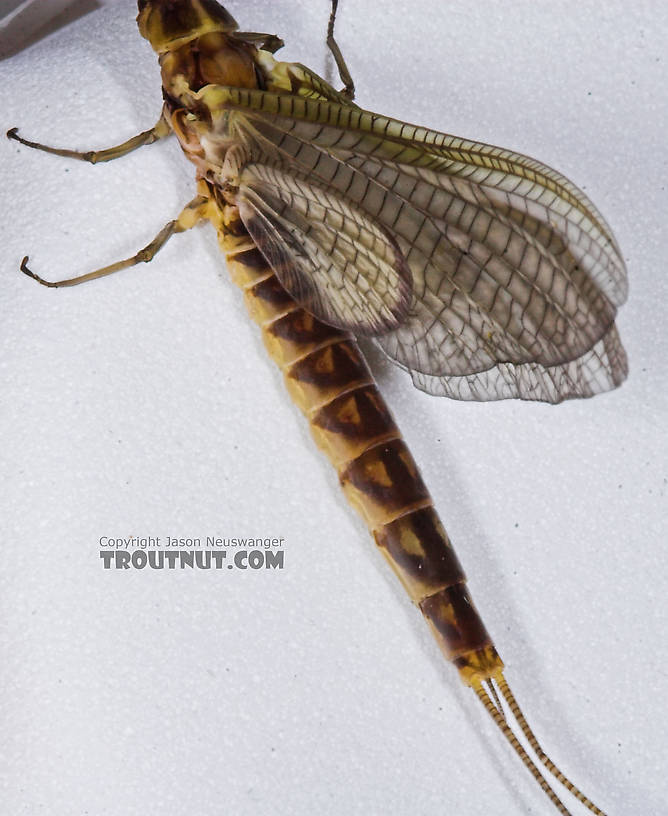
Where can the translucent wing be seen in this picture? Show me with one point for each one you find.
(341, 266)
(514, 275)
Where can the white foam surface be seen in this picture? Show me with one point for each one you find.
(144, 404)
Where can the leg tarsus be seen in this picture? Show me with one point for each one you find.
(159, 131)
(191, 214)
(349, 86)
(31, 274)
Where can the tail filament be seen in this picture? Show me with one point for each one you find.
(489, 696)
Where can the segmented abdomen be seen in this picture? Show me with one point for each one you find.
(330, 382)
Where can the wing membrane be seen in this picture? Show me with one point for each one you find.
(330, 257)
(515, 275)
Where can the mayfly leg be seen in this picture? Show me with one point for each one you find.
(349, 86)
(158, 131)
(191, 214)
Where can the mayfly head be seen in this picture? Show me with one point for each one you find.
(198, 50)
(169, 24)
(197, 47)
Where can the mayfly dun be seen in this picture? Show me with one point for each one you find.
(484, 273)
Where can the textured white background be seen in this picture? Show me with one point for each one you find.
(143, 404)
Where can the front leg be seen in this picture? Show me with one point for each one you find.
(159, 131)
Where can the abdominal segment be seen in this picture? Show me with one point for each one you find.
(331, 384)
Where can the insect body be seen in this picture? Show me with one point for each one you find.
(484, 273)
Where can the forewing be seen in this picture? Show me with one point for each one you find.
(515, 275)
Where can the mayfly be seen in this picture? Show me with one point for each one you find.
(484, 273)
